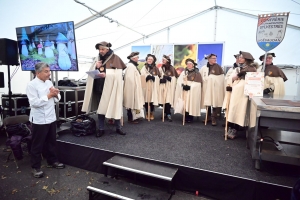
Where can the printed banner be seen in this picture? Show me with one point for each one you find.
(271, 30)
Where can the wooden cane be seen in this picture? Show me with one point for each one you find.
(226, 115)
(164, 102)
(148, 103)
(206, 115)
(184, 97)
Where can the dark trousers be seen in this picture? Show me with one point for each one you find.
(188, 117)
(234, 126)
(151, 107)
(43, 142)
(101, 120)
(167, 109)
(129, 115)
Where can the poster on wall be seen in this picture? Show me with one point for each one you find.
(160, 50)
(183, 52)
(144, 51)
(208, 48)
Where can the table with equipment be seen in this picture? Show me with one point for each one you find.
(274, 130)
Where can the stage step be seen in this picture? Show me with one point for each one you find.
(108, 188)
(142, 167)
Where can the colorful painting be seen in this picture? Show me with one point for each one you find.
(206, 49)
(144, 51)
(160, 50)
(183, 52)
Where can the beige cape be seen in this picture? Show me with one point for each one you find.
(167, 95)
(228, 82)
(112, 97)
(133, 93)
(238, 103)
(151, 90)
(212, 89)
(193, 96)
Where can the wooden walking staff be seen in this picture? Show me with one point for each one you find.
(206, 115)
(184, 97)
(148, 102)
(164, 102)
(227, 109)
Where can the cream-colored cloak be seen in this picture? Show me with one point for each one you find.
(133, 93)
(112, 96)
(151, 90)
(238, 103)
(167, 90)
(212, 89)
(192, 97)
(228, 82)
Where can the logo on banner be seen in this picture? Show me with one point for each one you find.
(271, 30)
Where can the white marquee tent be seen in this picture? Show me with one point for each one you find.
(156, 22)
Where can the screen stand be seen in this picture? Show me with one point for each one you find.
(57, 103)
(9, 92)
(55, 78)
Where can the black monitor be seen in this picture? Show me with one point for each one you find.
(54, 44)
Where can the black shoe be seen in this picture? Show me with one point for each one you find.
(169, 118)
(99, 133)
(56, 165)
(119, 131)
(37, 173)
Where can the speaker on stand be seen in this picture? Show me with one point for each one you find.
(9, 56)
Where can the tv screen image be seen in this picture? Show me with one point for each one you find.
(50, 43)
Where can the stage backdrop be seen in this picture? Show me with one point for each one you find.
(144, 51)
(208, 48)
(164, 49)
(183, 52)
(180, 52)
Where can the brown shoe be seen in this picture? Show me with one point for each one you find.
(213, 121)
(151, 116)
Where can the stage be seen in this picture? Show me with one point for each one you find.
(216, 168)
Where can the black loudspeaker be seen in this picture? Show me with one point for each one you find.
(8, 52)
(2, 80)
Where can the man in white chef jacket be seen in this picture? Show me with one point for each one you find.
(42, 97)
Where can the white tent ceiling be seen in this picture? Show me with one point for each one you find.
(149, 16)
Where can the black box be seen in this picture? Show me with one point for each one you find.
(68, 110)
(17, 101)
(19, 111)
(8, 52)
(69, 95)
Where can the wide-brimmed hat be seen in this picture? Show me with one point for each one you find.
(190, 60)
(261, 58)
(104, 44)
(247, 55)
(167, 58)
(210, 55)
(153, 56)
(236, 55)
(133, 54)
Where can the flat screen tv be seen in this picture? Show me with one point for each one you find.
(54, 44)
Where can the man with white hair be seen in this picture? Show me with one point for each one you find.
(42, 96)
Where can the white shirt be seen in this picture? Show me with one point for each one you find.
(42, 108)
